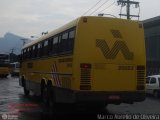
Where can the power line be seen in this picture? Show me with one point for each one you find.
(108, 7)
(115, 8)
(92, 7)
(99, 7)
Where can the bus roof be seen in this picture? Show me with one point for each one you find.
(65, 27)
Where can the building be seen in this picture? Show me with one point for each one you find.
(152, 38)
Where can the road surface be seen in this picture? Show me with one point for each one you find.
(14, 105)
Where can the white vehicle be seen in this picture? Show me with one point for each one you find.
(14, 68)
(153, 85)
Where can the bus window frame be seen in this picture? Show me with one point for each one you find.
(55, 44)
(71, 40)
(58, 48)
(33, 51)
(45, 47)
(39, 53)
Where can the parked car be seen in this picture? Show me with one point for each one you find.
(153, 85)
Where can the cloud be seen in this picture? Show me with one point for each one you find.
(31, 17)
(34, 16)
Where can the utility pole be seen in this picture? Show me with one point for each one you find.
(128, 9)
(128, 3)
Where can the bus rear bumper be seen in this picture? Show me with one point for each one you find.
(111, 97)
(116, 97)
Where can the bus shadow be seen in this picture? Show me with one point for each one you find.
(65, 111)
(73, 115)
(69, 112)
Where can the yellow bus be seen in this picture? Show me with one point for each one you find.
(4, 65)
(93, 60)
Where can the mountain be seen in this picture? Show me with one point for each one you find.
(11, 43)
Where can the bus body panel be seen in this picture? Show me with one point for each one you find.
(117, 69)
(36, 70)
(108, 62)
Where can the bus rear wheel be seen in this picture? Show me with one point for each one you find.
(51, 100)
(48, 102)
(26, 92)
(45, 97)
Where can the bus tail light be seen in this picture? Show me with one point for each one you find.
(84, 65)
(140, 77)
(85, 77)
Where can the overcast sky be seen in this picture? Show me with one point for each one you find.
(32, 17)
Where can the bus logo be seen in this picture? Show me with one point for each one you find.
(112, 53)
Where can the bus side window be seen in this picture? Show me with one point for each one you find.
(71, 40)
(63, 42)
(45, 49)
(42, 49)
(33, 51)
(50, 46)
(59, 49)
(25, 54)
(39, 50)
(28, 53)
(55, 45)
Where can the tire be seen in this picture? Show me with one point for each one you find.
(51, 100)
(45, 100)
(48, 103)
(26, 92)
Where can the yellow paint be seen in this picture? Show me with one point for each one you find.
(4, 70)
(105, 75)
